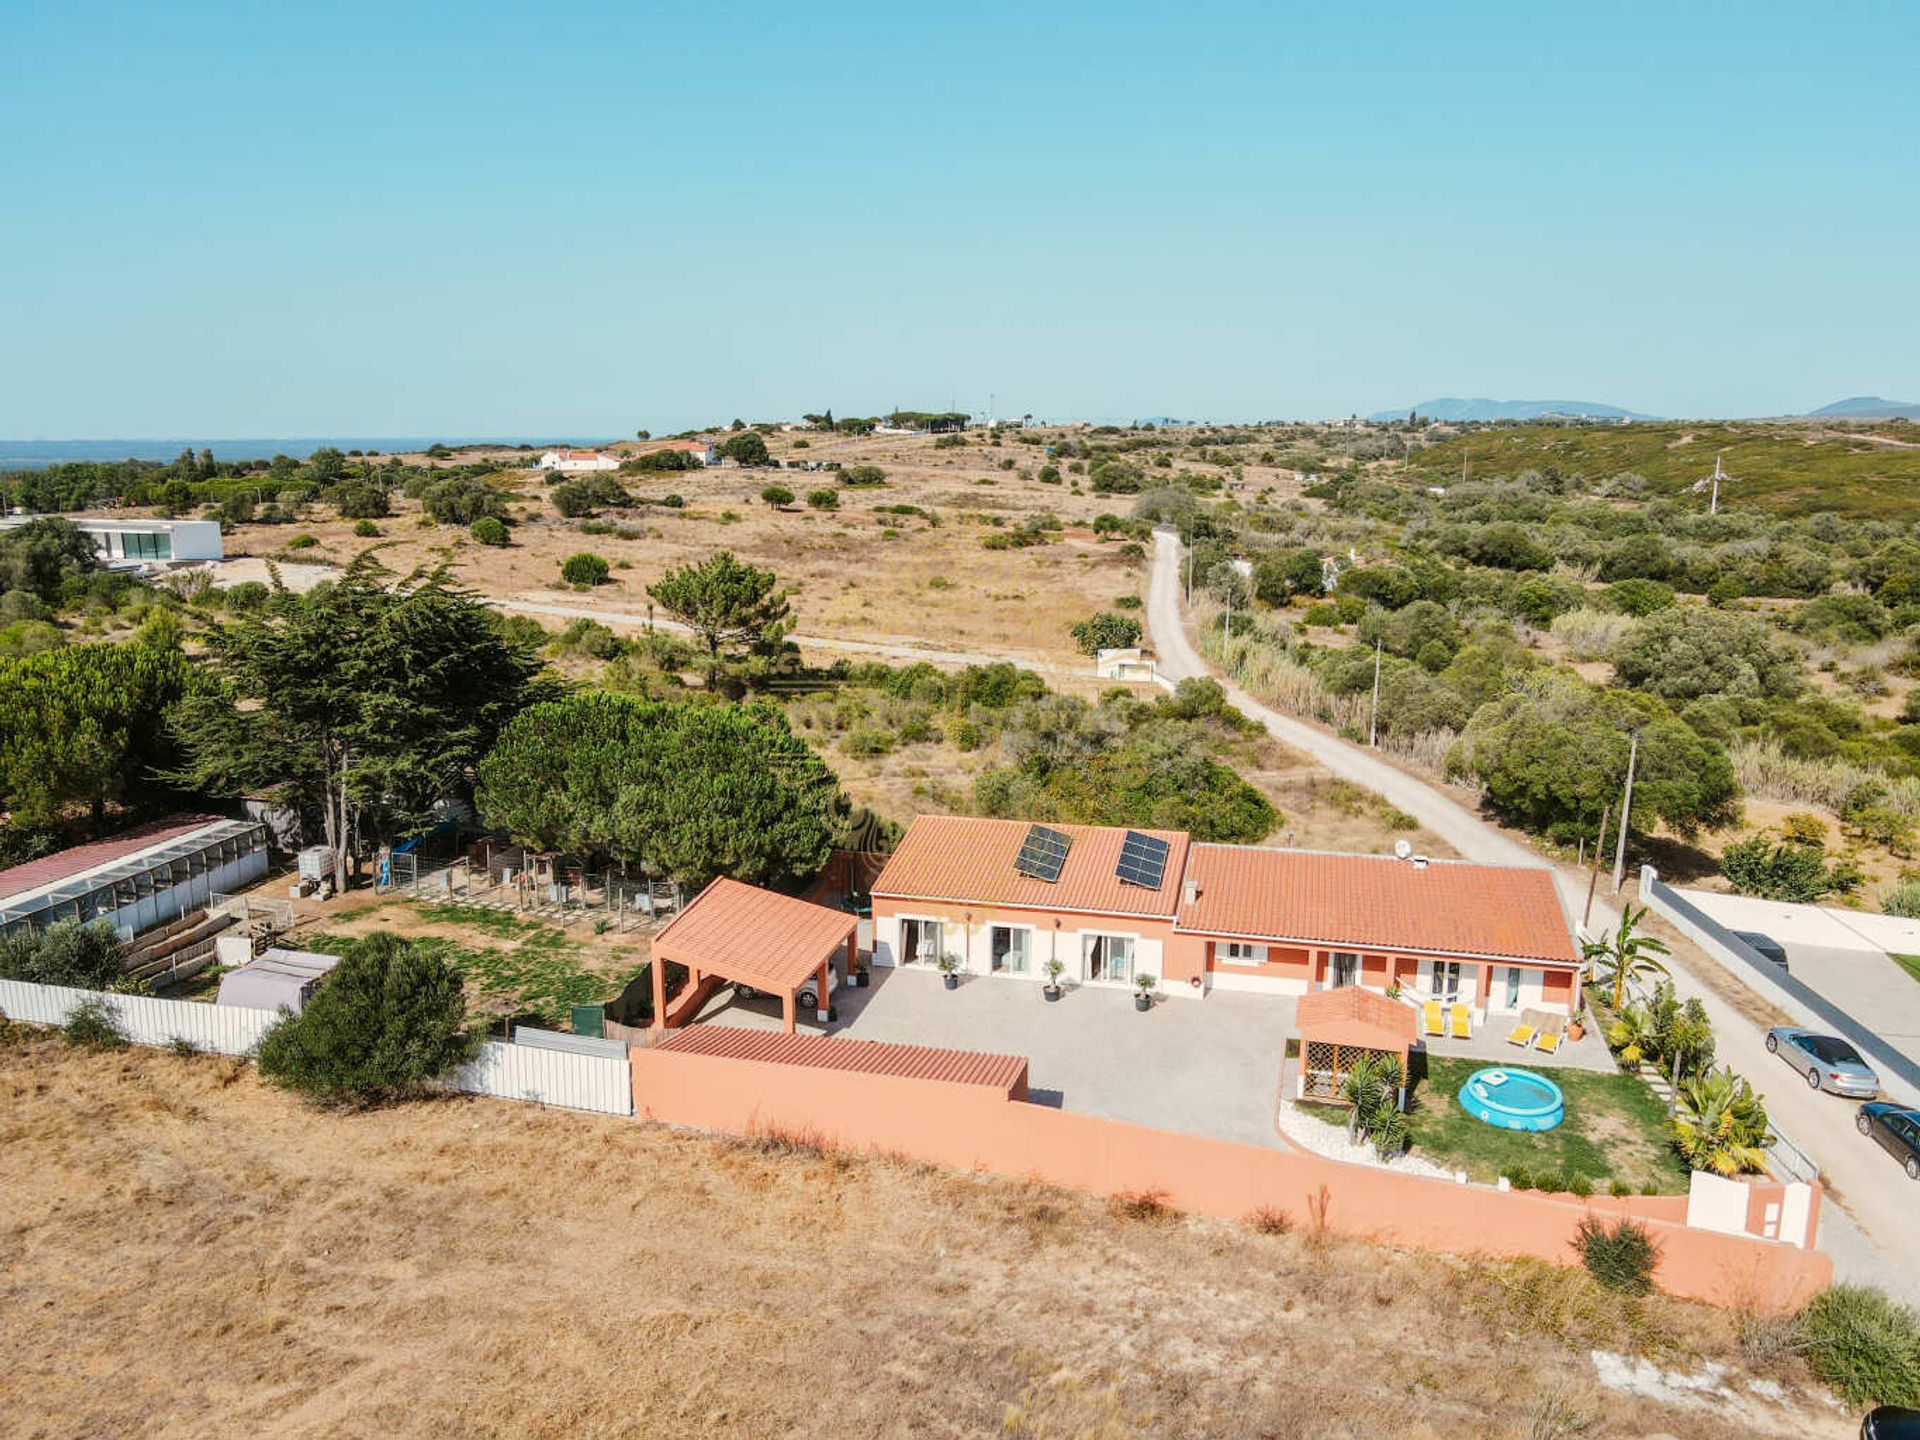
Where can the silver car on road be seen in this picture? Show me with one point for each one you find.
(1828, 1062)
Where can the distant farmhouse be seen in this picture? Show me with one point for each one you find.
(576, 462)
(701, 450)
(137, 544)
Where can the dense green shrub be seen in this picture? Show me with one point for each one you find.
(1776, 870)
(385, 1023)
(462, 500)
(863, 476)
(365, 529)
(584, 570)
(65, 953)
(662, 462)
(748, 447)
(93, 1024)
(1621, 1256)
(1865, 1345)
(823, 500)
(1105, 631)
(777, 495)
(489, 530)
(356, 500)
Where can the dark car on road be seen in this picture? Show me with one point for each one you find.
(1828, 1062)
(1897, 1129)
(1768, 947)
(1891, 1422)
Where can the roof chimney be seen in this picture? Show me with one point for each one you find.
(1189, 891)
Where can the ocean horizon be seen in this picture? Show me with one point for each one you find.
(38, 454)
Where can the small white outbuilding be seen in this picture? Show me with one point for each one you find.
(278, 979)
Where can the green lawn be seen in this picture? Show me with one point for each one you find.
(1615, 1133)
(538, 970)
(1908, 963)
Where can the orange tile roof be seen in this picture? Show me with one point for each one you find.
(1375, 902)
(1352, 1016)
(867, 1057)
(970, 861)
(771, 942)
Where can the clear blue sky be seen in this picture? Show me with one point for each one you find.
(246, 219)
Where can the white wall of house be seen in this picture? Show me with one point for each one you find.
(973, 944)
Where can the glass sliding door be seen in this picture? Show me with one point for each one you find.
(1109, 957)
(1446, 980)
(1012, 949)
(919, 942)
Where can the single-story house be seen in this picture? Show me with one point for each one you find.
(703, 451)
(140, 544)
(577, 462)
(1108, 904)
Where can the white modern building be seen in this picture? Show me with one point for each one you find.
(135, 544)
(577, 462)
(142, 878)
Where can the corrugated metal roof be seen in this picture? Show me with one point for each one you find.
(866, 1057)
(773, 942)
(1375, 902)
(969, 860)
(77, 861)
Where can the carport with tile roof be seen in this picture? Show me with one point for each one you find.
(740, 933)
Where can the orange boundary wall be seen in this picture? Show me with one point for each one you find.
(974, 1129)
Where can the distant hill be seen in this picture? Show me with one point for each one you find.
(1775, 466)
(1867, 407)
(1456, 409)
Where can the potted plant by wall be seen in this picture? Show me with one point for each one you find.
(1143, 991)
(1051, 990)
(949, 970)
(1577, 1026)
(1393, 988)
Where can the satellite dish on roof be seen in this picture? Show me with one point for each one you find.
(1402, 849)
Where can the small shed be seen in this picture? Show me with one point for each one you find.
(1338, 1027)
(277, 980)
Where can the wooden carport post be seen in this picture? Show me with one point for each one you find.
(789, 1009)
(659, 968)
(821, 996)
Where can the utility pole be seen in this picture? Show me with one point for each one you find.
(1593, 876)
(1713, 505)
(1189, 573)
(1373, 715)
(1626, 814)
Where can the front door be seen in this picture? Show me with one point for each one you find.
(1109, 957)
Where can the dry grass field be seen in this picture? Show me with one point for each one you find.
(859, 573)
(183, 1252)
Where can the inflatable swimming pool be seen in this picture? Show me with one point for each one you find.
(1513, 1099)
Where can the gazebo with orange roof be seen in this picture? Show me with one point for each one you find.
(739, 932)
(1337, 1027)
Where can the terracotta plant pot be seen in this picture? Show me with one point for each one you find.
(1576, 1030)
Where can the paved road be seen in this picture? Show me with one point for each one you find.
(1878, 1199)
(887, 649)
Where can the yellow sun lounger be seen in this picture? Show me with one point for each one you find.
(1435, 1025)
(1461, 1029)
(1521, 1035)
(1547, 1043)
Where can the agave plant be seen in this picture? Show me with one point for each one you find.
(1721, 1125)
(1626, 955)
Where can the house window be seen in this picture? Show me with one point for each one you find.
(1012, 948)
(1344, 970)
(1108, 957)
(139, 545)
(1446, 980)
(1239, 952)
(1513, 987)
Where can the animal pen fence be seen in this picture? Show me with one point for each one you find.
(510, 879)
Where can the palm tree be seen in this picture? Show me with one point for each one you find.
(1628, 953)
(1631, 1033)
(1373, 1088)
(1722, 1125)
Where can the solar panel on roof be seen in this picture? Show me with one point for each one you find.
(1042, 854)
(1143, 860)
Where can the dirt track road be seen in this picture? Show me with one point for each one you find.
(1884, 1249)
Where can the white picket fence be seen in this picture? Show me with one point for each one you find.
(510, 1072)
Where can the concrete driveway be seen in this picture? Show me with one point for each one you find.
(1208, 1067)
